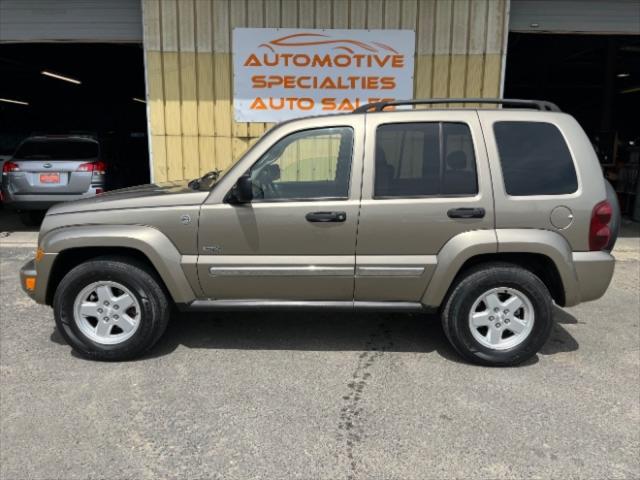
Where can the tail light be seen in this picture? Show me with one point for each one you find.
(599, 231)
(98, 168)
(10, 167)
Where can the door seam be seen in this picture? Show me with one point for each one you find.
(493, 193)
(355, 247)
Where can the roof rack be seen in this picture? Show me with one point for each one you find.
(539, 104)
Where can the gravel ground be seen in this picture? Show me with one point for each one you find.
(322, 396)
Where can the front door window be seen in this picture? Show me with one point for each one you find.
(306, 165)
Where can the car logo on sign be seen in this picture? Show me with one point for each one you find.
(47, 165)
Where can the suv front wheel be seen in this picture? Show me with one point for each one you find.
(111, 308)
(498, 315)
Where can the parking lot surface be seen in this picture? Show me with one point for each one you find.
(290, 395)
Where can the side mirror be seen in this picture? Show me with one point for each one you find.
(242, 191)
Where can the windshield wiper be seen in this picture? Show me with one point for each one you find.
(213, 175)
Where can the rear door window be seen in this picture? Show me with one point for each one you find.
(535, 159)
(57, 150)
(421, 159)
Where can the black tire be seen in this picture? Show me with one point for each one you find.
(32, 218)
(142, 283)
(457, 308)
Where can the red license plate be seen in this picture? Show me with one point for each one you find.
(49, 178)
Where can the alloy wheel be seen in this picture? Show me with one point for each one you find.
(501, 318)
(107, 312)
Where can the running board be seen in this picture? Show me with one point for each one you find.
(248, 305)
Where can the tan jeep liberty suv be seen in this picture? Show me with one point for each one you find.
(488, 216)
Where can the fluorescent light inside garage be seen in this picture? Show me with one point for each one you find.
(60, 77)
(135, 99)
(18, 102)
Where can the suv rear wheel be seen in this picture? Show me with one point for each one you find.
(498, 314)
(111, 308)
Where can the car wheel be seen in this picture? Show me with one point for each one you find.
(111, 308)
(498, 315)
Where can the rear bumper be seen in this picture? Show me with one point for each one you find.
(43, 201)
(594, 271)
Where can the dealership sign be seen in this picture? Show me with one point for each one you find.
(283, 73)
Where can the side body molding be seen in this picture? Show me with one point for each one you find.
(452, 256)
(160, 251)
(548, 243)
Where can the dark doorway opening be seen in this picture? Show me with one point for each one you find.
(595, 78)
(108, 103)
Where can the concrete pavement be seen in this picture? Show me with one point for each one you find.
(321, 396)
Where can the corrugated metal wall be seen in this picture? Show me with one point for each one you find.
(70, 21)
(459, 52)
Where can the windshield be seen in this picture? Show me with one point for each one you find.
(57, 150)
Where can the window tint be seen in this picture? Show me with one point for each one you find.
(535, 159)
(57, 150)
(305, 165)
(423, 159)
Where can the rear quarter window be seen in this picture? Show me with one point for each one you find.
(535, 159)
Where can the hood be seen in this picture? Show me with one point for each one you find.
(143, 196)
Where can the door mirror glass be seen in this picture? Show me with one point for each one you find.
(242, 191)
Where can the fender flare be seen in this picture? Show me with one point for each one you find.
(149, 241)
(467, 245)
(547, 243)
(452, 256)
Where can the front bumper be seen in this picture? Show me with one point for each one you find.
(28, 271)
(594, 271)
(41, 271)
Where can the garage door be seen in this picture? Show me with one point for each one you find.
(85, 21)
(575, 16)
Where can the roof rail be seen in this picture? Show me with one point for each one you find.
(542, 105)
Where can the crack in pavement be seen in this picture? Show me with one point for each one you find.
(352, 423)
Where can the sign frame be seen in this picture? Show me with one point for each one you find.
(285, 73)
